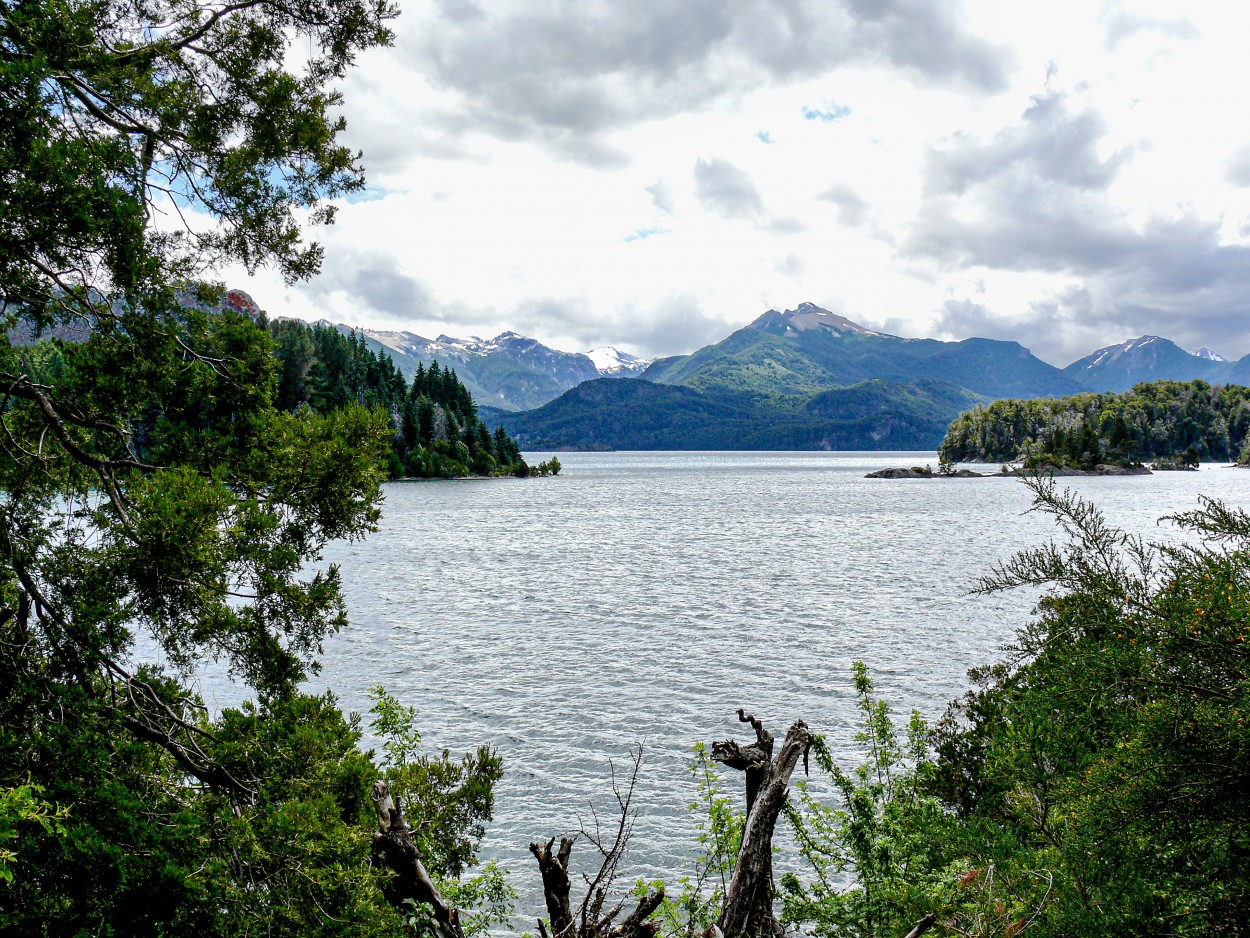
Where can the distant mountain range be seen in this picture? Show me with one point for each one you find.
(1151, 358)
(509, 372)
(787, 357)
(805, 378)
(607, 414)
(808, 378)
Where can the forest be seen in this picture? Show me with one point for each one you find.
(1181, 422)
(166, 497)
(437, 430)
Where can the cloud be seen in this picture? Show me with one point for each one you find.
(723, 188)
(375, 279)
(929, 40)
(1050, 143)
(727, 190)
(1122, 25)
(567, 75)
(673, 324)
(661, 196)
(1034, 199)
(852, 209)
(1237, 169)
(763, 136)
(1031, 198)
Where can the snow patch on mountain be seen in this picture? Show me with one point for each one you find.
(614, 362)
(1207, 355)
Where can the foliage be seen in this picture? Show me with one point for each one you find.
(24, 805)
(615, 413)
(148, 850)
(1093, 783)
(1112, 750)
(881, 857)
(546, 467)
(1163, 420)
(123, 120)
(157, 503)
(447, 803)
(436, 430)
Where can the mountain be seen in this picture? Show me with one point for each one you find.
(613, 363)
(1151, 358)
(784, 358)
(642, 415)
(510, 371)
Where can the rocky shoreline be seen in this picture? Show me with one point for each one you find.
(928, 472)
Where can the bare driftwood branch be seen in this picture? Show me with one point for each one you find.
(394, 849)
(922, 926)
(591, 921)
(748, 908)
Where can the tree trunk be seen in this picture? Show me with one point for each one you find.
(555, 873)
(590, 921)
(393, 849)
(748, 908)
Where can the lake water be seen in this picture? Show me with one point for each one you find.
(646, 596)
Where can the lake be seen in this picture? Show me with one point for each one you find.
(644, 597)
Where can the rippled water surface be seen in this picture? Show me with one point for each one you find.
(645, 597)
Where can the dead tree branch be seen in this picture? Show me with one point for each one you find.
(393, 848)
(748, 908)
(591, 921)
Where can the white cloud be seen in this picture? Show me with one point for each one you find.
(1062, 174)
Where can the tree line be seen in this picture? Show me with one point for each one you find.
(437, 433)
(1160, 420)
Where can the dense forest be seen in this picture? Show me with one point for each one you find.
(437, 430)
(614, 413)
(1165, 420)
(166, 496)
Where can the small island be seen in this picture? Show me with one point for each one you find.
(1007, 472)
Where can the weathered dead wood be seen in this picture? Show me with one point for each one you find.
(922, 926)
(754, 759)
(556, 886)
(590, 920)
(393, 849)
(748, 908)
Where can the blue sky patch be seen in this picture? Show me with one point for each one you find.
(827, 113)
(643, 233)
(764, 136)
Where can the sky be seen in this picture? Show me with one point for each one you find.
(652, 175)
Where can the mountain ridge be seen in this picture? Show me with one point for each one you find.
(1119, 367)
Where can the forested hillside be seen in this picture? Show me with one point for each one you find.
(1158, 421)
(437, 433)
(614, 413)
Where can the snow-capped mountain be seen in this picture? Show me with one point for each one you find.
(611, 362)
(510, 371)
(808, 316)
(1147, 358)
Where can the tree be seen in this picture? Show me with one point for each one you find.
(120, 118)
(1106, 759)
(154, 504)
